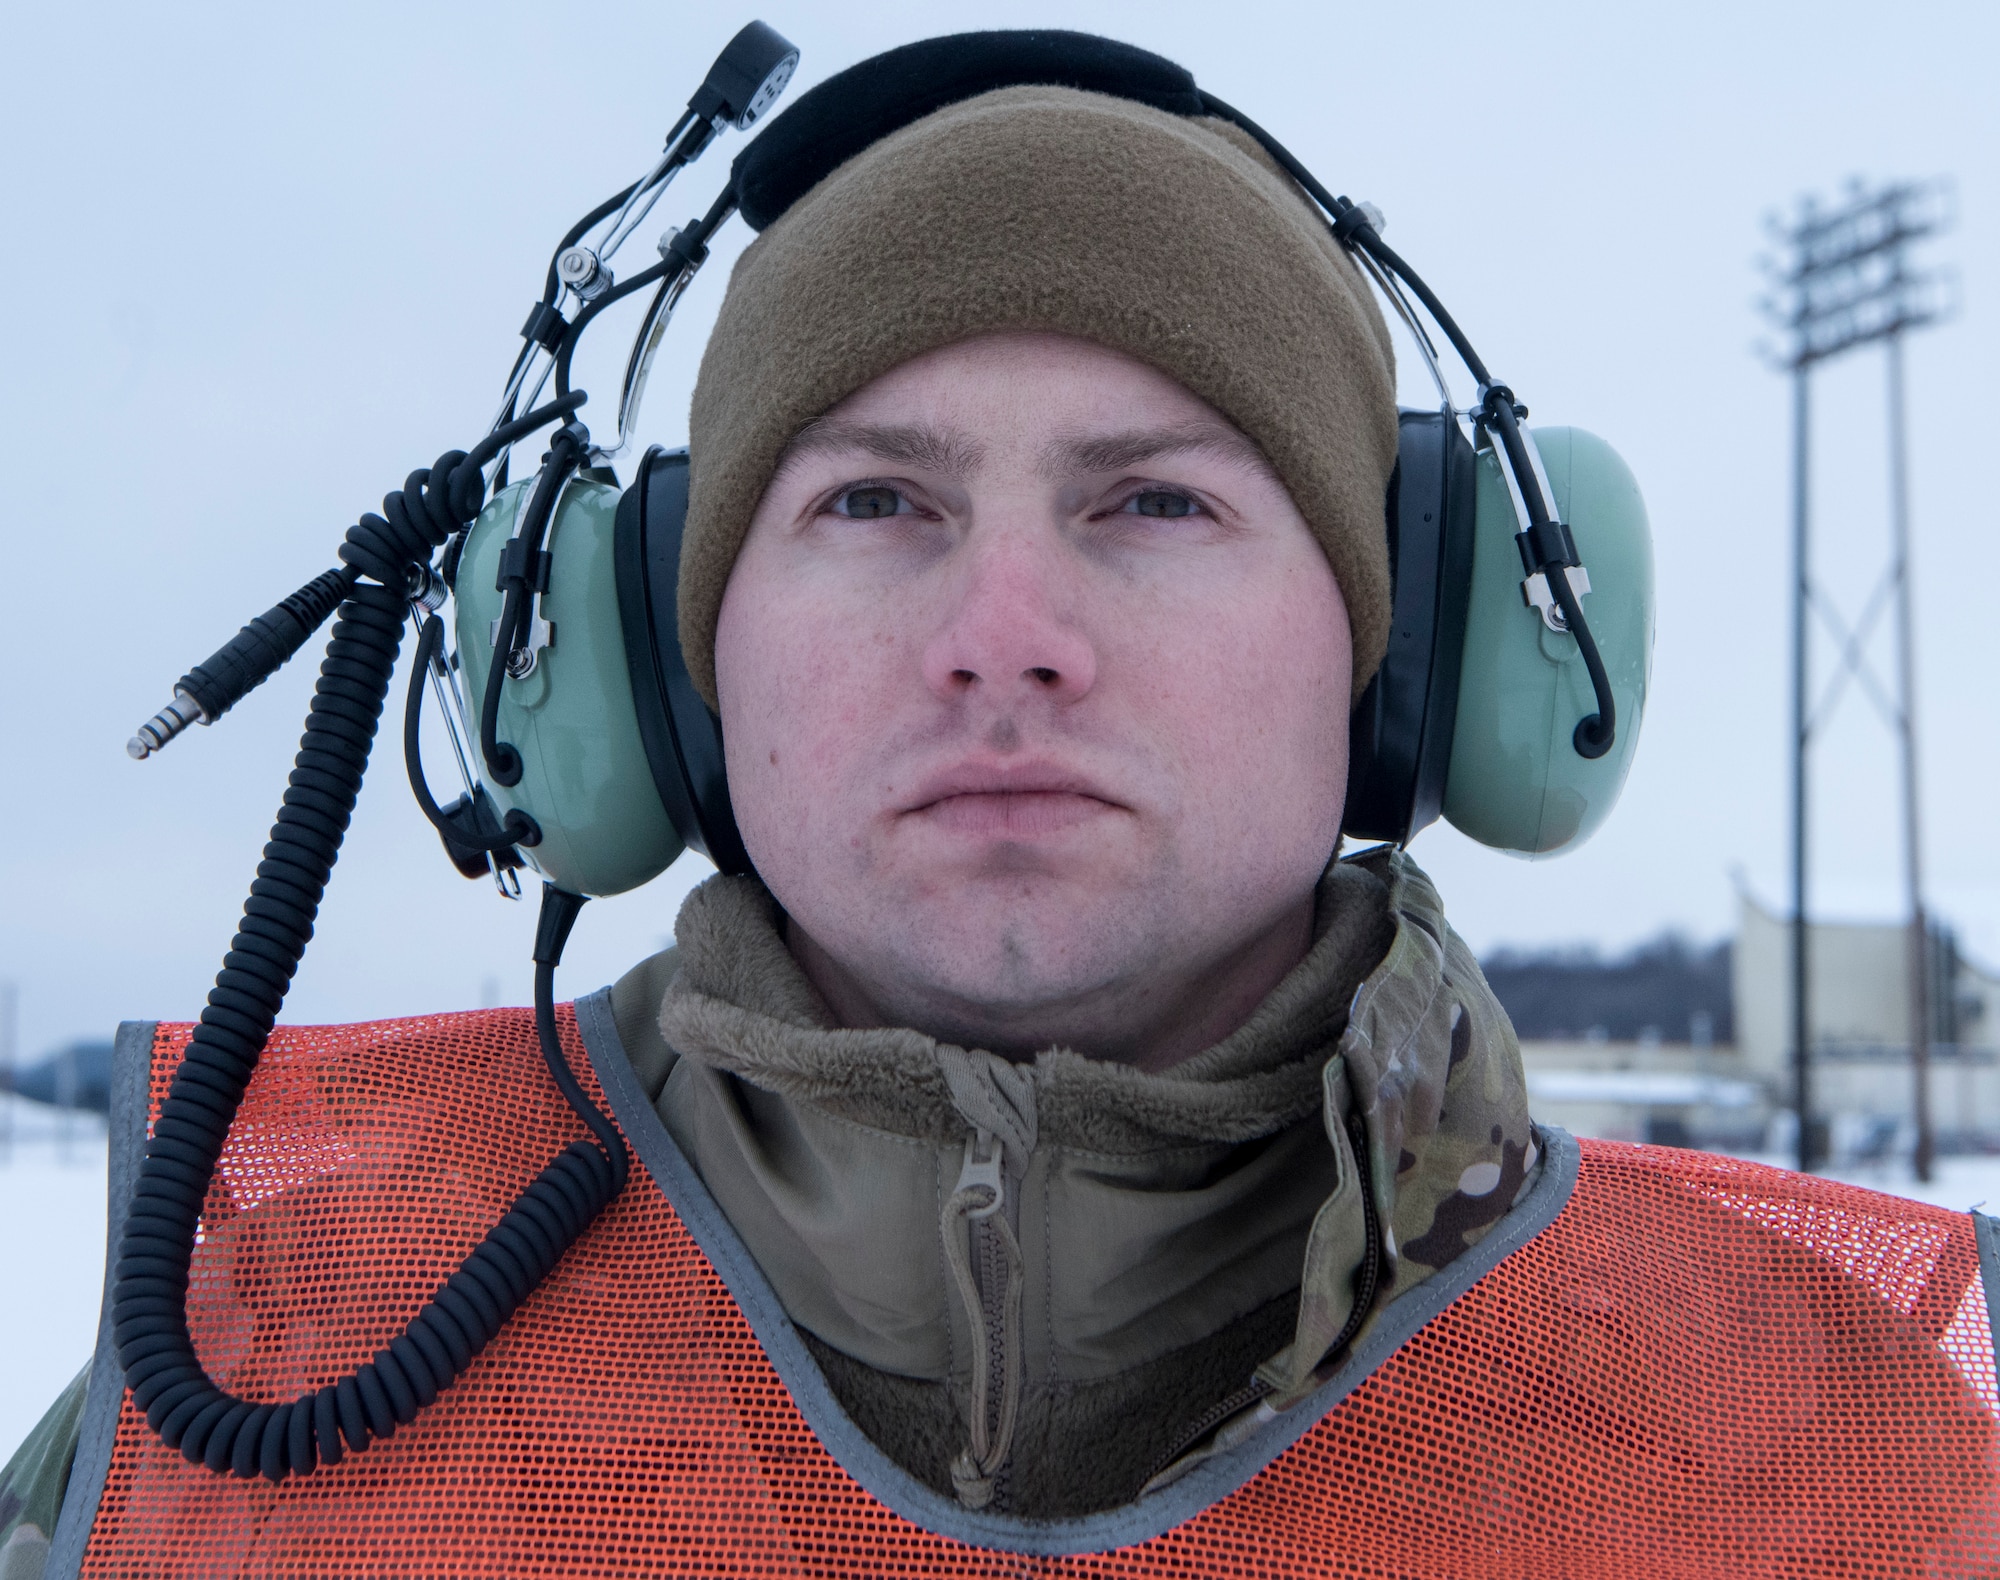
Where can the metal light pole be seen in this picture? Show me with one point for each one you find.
(1847, 283)
(1801, 727)
(1906, 687)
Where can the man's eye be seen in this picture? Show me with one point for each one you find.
(868, 504)
(1162, 502)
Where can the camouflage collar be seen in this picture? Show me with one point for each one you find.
(1432, 1061)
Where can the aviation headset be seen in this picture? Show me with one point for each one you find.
(595, 761)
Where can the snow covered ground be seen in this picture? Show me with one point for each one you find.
(51, 1258)
(1960, 1183)
(52, 1248)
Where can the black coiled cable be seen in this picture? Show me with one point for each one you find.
(149, 1301)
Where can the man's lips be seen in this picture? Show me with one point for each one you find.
(1010, 802)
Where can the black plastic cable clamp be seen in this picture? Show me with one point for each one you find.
(545, 326)
(1353, 217)
(1545, 546)
(558, 915)
(680, 253)
(519, 564)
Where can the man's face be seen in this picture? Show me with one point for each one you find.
(1035, 689)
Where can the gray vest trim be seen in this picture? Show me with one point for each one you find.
(1157, 1512)
(131, 1105)
(1986, 1235)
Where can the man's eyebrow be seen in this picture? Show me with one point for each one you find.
(1118, 452)
(929, 449)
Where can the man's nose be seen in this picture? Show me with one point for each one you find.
(1009, 632)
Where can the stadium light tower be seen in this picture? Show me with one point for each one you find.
(1846, 281)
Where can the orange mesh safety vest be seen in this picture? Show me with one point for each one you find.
(1659, 1364)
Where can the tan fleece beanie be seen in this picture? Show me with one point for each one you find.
(1175, 241)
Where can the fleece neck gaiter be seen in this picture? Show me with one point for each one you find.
(1038, 1285)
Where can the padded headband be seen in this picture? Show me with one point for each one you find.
(867, 102)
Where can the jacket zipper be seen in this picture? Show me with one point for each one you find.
(985, 1260)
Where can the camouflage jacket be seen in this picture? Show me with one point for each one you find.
(34, 1482)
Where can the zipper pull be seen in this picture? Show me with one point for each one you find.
(979, 1173)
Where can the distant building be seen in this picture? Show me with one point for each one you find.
(1685, 1045)
(78, 1076)
(1638, 1048)
(1859, 985)
(1666, 991)
(1667, 1094)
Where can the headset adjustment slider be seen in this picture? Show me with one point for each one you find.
(1537, 595)
(530, 572)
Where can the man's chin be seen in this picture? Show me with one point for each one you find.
(1019, 962)
(1093, 866)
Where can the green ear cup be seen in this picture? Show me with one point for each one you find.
(1516, 782)
(584, 777)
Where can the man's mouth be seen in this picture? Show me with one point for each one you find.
(1024, 801)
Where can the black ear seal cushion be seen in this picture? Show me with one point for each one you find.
(682, 739)
(829, 125)
(1399, 735)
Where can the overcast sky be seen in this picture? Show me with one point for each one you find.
(265, 260)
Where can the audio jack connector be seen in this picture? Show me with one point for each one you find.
(244, 662)
(164, 726)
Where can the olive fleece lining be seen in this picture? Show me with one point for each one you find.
(1172, 1210)
(1165, 1263)
(1169, 1219)
(753, 1001)
(1090, 1446)
(1151, 1221)
(1183, 1229)
(1172, 240)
